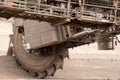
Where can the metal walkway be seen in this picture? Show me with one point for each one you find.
(51, 13)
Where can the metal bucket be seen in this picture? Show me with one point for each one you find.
(104, 41)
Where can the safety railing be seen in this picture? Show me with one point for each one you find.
(42, 9)
(95, 16)
(58, 11)
(100, 3)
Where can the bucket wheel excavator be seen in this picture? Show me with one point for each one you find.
(44, 30)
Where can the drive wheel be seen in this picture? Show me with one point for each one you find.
(39, 65)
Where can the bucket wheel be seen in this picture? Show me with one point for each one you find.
(36, 62)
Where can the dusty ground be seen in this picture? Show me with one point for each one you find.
(86, 62)
(73, 69)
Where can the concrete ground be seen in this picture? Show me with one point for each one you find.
(85, 63)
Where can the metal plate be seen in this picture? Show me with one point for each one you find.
(40, 33)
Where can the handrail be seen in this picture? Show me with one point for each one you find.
(51, 10)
